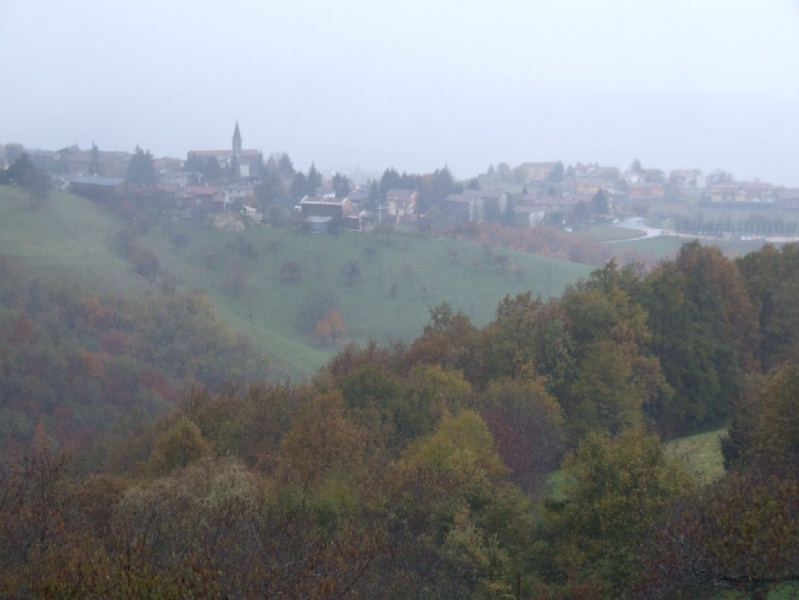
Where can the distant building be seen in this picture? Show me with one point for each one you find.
(247, 159)
(98, 188)
(400, 204)
(536, 171)
(645, 191)
(475, 205)
(325, 214)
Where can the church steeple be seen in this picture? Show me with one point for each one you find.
(236, 139)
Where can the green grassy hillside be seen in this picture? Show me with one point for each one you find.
(399, 277)
(67, 238)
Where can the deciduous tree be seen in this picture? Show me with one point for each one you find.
(616, 488)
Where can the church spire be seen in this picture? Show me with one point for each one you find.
(236, 139)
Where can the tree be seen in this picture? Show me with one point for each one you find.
(616, 488)
(313, 179)
(740, 535)
(145, 263)
(21, 172)
(94, 165)
(299, 186)
(141, 168)
(212, 171)
(704, 334)
(341, 185)
(581, 212)
(322, 443)
(765, 428)
(599, 203)
(313, 307)
(177, 447)
(461, 530)
(270, 190)
(769, 275)
(614, 374)
(351, 271)
(285, 168)
(556, 174)
(290, 271)
(374, 196)
(329, 328)
(24, 173)
(527, 425)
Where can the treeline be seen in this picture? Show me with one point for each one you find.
(73, 363)
(422, 470)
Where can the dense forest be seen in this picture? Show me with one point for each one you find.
(147, 457)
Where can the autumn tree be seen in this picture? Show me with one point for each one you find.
(740, 536)
(764, 431)
(322, 444)
(448, 340)
(615, 489)
(461, 530)
(329, 328)
(528, 428)
(181, 444)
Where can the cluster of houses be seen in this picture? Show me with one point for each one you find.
(525, 195)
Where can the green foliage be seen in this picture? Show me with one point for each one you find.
(73, 243)
(616, 488)
(613, 376)
(182, 444)
(705, 336)
(769, 275)
(141, 168)
(322, 443)
(450, 496)
(765, 428)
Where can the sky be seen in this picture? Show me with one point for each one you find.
(414, 85)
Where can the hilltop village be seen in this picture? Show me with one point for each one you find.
(243, 182)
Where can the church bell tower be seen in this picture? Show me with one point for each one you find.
(236, 140)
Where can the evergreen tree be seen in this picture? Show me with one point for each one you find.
(313, 180)
(141, 168)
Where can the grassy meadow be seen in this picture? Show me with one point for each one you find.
(397, 278)
(67, 238)
(700, 454)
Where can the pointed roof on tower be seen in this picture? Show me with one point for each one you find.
(236, 138)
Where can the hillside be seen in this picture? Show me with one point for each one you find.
(386, 294)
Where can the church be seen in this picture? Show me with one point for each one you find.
(247, 159)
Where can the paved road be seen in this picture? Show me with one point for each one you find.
(637, 223)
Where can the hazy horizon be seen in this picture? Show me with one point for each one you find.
(417, 86)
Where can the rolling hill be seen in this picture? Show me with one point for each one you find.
(382, 286)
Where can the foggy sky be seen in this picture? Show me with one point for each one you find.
(415, 84)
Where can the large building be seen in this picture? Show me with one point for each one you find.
(247, 159)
